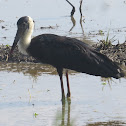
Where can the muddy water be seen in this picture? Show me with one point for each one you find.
(30, 93)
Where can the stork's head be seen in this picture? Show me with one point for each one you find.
(25, 26)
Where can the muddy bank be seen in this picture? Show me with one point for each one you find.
(16, 57)
(117, 53)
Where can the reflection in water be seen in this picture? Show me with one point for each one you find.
(81, 1)
(73, 10)
(73, 19)
(37, 69)
(81, 16)
(29, 69)
(106, 81)
(74, 23)
(81, 25)
(63, 117)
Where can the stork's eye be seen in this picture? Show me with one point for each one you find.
(24, 23)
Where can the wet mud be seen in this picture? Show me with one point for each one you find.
(116, 53)
(16, 57)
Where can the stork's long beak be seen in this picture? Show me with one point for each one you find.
(17, 38)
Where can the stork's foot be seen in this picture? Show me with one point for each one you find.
(63, 96)
(63, 99)
(68, 95)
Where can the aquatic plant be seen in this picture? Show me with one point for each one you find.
(35, 115)
(7, 45)
(106, 42)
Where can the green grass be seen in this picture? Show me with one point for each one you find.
(107, 41)
(7, 45)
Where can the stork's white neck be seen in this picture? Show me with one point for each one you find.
(25, 41)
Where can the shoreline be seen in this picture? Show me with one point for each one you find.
(116, 53)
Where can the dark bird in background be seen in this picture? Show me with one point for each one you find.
(63, 52)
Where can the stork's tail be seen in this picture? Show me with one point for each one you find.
(119, 74)
(111, 68)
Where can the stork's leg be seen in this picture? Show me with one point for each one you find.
(68, 86)
(60, 72)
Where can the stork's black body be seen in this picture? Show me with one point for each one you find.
(63, 52)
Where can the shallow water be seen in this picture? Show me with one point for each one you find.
(30, 94)
(106, 15)
(31, 97)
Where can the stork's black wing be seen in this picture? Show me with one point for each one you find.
(65, 52)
